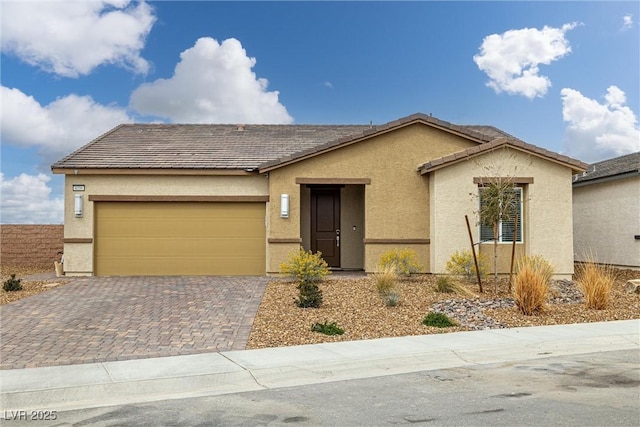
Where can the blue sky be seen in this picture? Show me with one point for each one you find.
(561, 75)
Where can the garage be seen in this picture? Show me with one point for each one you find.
(179, 238)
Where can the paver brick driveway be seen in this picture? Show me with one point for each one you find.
(97, 319)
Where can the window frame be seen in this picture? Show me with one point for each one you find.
(520, 190)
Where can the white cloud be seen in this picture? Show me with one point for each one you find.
(328, 84)
(599, 131)
(71, 38)
(511, 59)
(212, 83)
(57, 128)
(627, 22)
(26, 200)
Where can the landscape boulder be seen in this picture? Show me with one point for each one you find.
(633, 286)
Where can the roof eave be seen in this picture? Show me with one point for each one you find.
(576, 166)
(154, 171)
(624, 175)
(377, 131)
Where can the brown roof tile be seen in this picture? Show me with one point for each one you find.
(618, 167)
(141, 146)
(225, 146)
(445, 161)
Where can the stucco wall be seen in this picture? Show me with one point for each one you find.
(606, 219)
(79, 256)
(396, 203)
(504, 256)
(30, 245)
(547, 221)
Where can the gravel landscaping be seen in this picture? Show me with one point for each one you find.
(357, 308)
(354, 304)
(29, 287)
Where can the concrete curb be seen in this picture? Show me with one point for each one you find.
(114, 383)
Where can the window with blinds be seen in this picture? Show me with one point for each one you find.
(505, 228)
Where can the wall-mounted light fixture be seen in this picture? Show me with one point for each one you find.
(284, 206)
(77, 205)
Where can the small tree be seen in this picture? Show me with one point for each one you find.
(498, 202)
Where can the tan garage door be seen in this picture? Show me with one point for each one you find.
(179, 238)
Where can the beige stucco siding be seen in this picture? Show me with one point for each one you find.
(606, 219)
(504, 256)
(79, 256)
(550, 219)
(547, 222)
(396, 202)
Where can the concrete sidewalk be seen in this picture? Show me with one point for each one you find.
(61, 388)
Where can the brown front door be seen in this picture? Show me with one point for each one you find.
(325, 224)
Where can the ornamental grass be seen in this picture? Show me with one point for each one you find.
(531, 284)
(595, 282)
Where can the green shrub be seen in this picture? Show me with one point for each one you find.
(404, 261)
(439, 320)
(461, 264)
(305, 267)
(531, 284)
(327, 328)
(391, 298)
(12, 284)
(447, 285)
(310, 295)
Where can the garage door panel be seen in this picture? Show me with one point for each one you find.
(185, 266)
(236, 246)
(226, 229)
(180, 238)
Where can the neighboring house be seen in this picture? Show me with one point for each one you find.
(154, 199)
(606, 212)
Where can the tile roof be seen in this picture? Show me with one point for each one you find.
(442, 162)
(195, 146)
(611, 168)
(468, 131)
(241, 147)
(490, 131)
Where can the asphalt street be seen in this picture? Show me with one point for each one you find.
(593, 389)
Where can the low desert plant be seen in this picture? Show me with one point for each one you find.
(448, 285)
(444, 285)
(542, 266)
(531, 284)
(595, 282)
(12, 284)
(391, 298)
(386, 284)
(404, 261)
(305, 267)
(461, 264)
(310, 295)
(327, 328)
(385, 279)
(439, 320)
